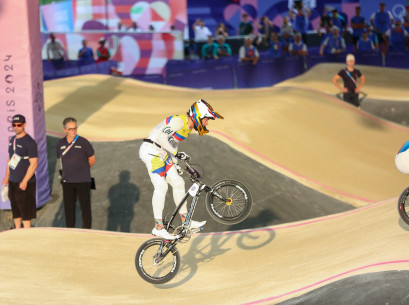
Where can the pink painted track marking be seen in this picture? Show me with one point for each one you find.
(302, 223)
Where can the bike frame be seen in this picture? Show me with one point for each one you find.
(192, 207)
(196, 189)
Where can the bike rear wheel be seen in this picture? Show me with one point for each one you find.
(235, 206)
(403, 205)
(151, 263)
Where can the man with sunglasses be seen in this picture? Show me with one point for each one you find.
(20, 174)
(76, 156)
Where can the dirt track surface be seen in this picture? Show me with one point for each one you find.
(302, 152)
(263, 266)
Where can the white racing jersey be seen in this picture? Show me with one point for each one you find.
(170, 132)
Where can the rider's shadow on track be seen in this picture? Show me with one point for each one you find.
(204, 249)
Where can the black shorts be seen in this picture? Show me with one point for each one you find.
(23, 203)
(352, 98)
(355, 40)
(380, 38)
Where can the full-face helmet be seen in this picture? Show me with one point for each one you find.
(200, 110)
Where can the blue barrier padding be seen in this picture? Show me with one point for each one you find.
(268, 71)
(152, 78)
(53, 70)
(397, 60)
(215, 76)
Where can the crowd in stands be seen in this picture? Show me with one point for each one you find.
(381, 33)
(57, 54)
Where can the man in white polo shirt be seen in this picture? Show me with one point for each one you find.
(201, 31)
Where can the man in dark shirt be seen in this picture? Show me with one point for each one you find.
(350, 76)
(245, 26)
(20, 177)
(76, 158)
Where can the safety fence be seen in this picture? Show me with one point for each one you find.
(229, 73)
(56, 69)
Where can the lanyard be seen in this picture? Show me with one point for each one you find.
(350, 76)
(14, 145)
(68, 148)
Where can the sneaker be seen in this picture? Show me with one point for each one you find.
(163, 233)
(197, 224)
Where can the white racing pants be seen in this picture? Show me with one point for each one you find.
(162, 171)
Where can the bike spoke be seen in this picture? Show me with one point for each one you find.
(153, 268)
(238, 202)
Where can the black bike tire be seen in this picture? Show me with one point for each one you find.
(210, 204)
(149, 278)
(402, 204)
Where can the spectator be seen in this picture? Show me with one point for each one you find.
(300, 20)
(265, 28)
(221, 30)
(223, 49)
(134, 28)
(381, 22)
(85, 54)
(191, 52)
(364, 44)
(333, 44)
(245, 26)
(76, 161)
(350, 76)
(397, 37)
(286, 27)
(102, 52)
(120, 27)
(55, 52)
(338, 21)
(201, 31)
(20, 174)
(285, 40)
(209, 49)
(326, 34)
(325, 22)
(276, 46)
(372, 36)
(298, 47)
(405, 19)
(357, 25)
(248, 52)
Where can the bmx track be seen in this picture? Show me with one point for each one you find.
(297, 129)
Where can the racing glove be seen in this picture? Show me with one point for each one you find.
(182, 156)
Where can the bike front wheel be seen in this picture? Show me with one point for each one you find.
(229, 202)
(403, 205)
(157, 261)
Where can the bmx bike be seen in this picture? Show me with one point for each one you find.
(403, 205)
(227, 201)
